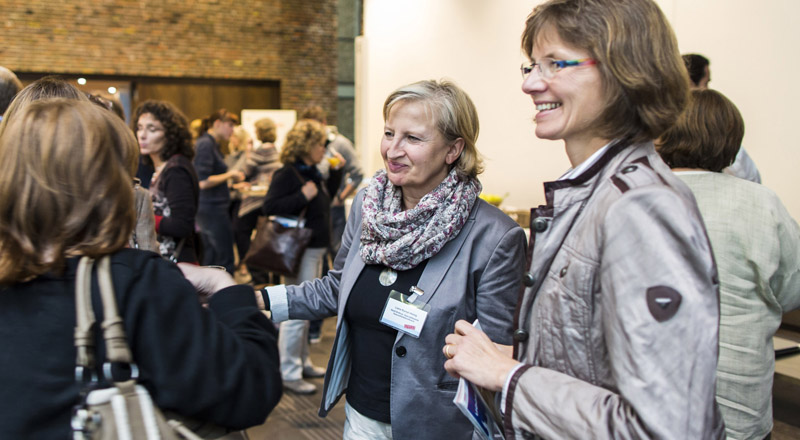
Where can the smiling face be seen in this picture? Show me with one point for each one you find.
(151, 136)
(569, 103)
(416, 155)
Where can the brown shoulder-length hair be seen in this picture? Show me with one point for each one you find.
(64, 189)
(305, 134)
(645, 81)
(708, 134)
(176, 128)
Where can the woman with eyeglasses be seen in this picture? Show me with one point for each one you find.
(616, 332)
(165, 142)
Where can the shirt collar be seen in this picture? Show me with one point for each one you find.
(583, 166)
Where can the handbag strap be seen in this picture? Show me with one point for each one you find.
(302, 182)
(117, 349)
(84, 336)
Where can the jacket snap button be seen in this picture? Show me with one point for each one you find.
(629, 169)
(520, 335)
(540, 225)
(563, 272)
(400, 351)
(528, 279)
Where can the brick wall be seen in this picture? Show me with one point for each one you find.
(292, 41)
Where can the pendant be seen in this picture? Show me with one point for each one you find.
(387, 277)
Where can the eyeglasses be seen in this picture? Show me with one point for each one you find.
(549, 67)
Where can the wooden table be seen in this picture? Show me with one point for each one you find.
(787, 366)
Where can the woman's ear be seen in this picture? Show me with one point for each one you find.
(454, 151)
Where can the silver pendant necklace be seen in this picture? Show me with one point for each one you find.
(387, 277)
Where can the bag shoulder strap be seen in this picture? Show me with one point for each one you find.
(302, 182)
(84, 336)
(117, 349)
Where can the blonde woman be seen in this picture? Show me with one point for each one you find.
(419, 229)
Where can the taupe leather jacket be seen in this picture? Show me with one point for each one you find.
(618, 324)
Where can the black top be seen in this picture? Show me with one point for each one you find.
(208, 161)
(285, 197)
(174, 198)
(218, 364)
(369, 388)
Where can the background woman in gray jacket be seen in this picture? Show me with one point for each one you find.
(616, 333)
(418, 229)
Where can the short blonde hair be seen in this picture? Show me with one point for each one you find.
(64, 188)
(455, 115)
(243, 136)
(305, 134)
(644, 78)
(266, 131)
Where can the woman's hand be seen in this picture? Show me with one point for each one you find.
(309, 190)
(206, 280)
(242, 186)
(236, 176)
(473, 356)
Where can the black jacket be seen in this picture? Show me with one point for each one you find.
(285, 197)
(218, 364)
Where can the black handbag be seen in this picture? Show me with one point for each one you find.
(277, 247)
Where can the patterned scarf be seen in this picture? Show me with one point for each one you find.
(403, 239)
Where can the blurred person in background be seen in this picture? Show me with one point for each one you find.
(10, 85)
(165, 144)
(144, 234)
(298, 187)
(339, 148)
(757, 249)
(352, 173)
(258, 167)
(699, 68)
(212, 213)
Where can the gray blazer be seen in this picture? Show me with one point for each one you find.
(477, 275)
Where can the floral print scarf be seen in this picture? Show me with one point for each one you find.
(403, 239)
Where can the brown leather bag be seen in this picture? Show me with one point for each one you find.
(278, 248)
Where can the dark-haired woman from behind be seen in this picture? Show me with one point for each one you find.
(165, 142)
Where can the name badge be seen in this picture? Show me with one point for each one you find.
(403, 315)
